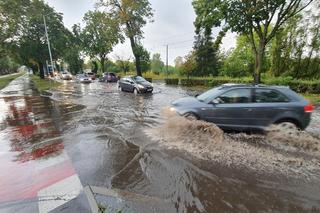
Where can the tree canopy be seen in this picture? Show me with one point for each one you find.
(248, 18)
(100, 34)
(133, 16)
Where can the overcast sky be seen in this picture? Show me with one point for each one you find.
(173, 25)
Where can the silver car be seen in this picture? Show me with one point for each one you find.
(83, 78)
(66, 75)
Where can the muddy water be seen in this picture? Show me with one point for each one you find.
(123, 142)
(161, 163)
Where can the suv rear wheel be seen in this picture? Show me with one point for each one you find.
(284, 129)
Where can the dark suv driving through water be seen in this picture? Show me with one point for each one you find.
(247, 107)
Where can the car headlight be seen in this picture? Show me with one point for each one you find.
(140, 86)
(172, 109)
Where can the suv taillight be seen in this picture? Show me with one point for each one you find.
(308, 108)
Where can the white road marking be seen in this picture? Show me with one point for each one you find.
(59, 193)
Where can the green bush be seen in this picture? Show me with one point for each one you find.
(172, 81)
(225, 80)
(212, 82)
(300, 86)
(195, 81)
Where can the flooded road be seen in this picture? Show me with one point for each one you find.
(96, 135)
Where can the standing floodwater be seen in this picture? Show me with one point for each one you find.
(164, 163)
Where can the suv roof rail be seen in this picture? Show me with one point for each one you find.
(234, 85)
(252, 85)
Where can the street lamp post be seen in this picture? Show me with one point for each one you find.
(48, 41)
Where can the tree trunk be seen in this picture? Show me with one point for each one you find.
(102, 61)
(136, 56)
(297, 69)
(41, 70)
(95, 67)
(259, 56)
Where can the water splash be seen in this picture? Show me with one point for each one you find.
(258, 152)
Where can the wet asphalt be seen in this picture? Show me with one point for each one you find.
(101, 131)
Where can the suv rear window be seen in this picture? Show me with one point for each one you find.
(236, 96)
(269, 96)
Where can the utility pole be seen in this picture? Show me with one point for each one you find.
(167, 59)
(48, 42)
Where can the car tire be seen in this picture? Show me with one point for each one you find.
(135, 91)
(190, 116)
(285, 129)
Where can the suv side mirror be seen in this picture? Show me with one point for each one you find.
(196, 95)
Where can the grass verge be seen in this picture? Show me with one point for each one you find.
(5, 80)
(44, 84)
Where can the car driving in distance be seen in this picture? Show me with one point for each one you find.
(247, 107)
(65, 75)
(109, 77)
(135, 84)
(83, 78)
(91, 75)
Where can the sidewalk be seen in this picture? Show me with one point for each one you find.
(4, 76)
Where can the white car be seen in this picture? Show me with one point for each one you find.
(83, 78)
(66, 75)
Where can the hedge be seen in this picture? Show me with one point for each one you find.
(172, 81)
(301, 86)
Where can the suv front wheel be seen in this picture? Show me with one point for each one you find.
(190, 116)
(135, 91)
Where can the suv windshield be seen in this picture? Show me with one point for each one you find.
(209, 95)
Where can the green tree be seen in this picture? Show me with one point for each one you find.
(133, 15)
(12, 21)
(123, 64)
(178, 61)
(251, 17)
(206, 49)
(283, 46)
(295, 50)
(314, 46)
(72, 53)
(145, 59)
(190, 65)
(31, 45)
(113, 67)
(157, 64)
(205, 53)
(240, 61)
(100, 34)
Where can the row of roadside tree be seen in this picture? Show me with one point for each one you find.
(274, 38)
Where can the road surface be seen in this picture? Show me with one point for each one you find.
(140, 158)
